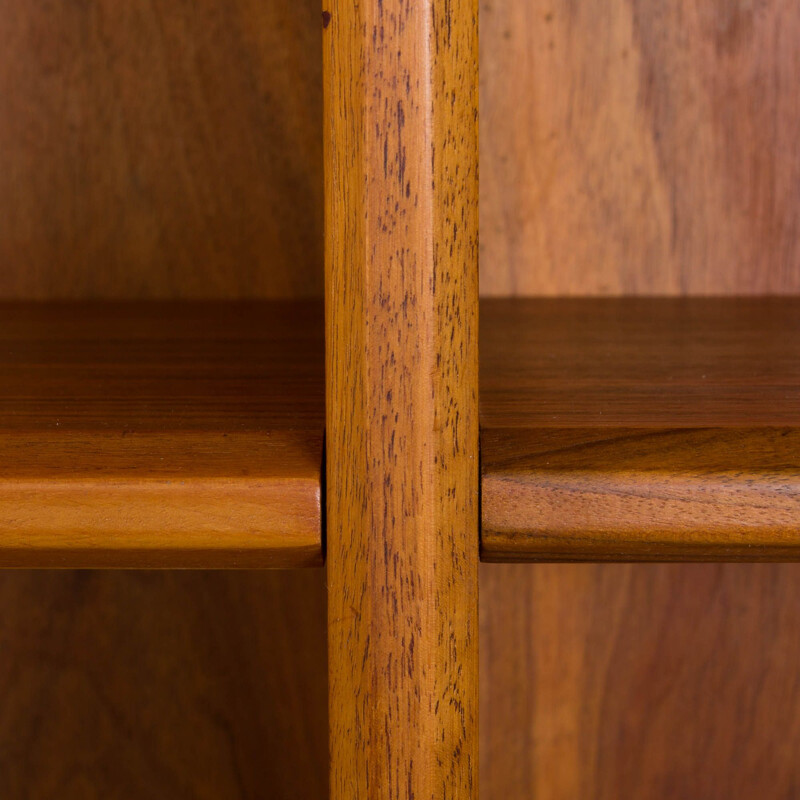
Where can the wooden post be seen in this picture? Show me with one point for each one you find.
(402, 405)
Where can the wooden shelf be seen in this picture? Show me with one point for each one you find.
(160, 434)
(640, 429)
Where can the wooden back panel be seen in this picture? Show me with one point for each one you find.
(160, 149)
(614, 682)
(632, 147)
(163, 684)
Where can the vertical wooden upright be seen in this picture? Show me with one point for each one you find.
(402, 421)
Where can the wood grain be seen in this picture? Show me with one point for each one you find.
(402, 435)
(160, 434)
(633, 147)
(160, 149)
(171, 684)
(601, 682)
(641, 429)
(641, 362)
(707, 494)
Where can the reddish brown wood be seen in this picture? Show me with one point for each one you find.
(160, 148)
(646, 362)
(174, 684)
(155, 435)
(641, 429)
(635, 147)
(163, 149)
(602, 682)
(629, 494)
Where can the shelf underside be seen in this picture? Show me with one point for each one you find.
(160, 434)
(640, 429)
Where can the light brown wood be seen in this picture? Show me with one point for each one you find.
(635, 429)
(402, 435)
(160, 434)
(160, 149)
(633, 147)
(174, 684)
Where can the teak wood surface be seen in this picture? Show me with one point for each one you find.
(637, 147)
(664, 681)
(161, 434)
(160, 149)
(172, 149)
(632, 147)
(640, 429)
(168, 684)
(402, 422)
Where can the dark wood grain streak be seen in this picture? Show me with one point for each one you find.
(160, 149)
(161, 434)
(641, 429)
(632, 147)
(402, 427)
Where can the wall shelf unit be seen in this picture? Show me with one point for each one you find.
(278, 372)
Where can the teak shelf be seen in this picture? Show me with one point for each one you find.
(640, 429)
(634, 429)
(241, 328)
(142, 434)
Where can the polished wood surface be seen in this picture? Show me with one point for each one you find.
(165, 684)
(161, 434)
(634, 147)
(402, 423)
(641, 494)
(640, 362)
(160, 148)
(603, 682)
(640, 429)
